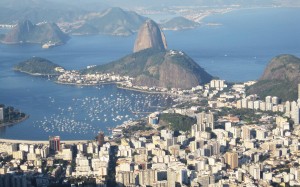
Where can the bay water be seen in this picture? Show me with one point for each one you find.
(237, 50)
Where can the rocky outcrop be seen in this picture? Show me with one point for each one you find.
(150, 36)
(152, 65)
(280, 78)
(26, 32)
(168, 69)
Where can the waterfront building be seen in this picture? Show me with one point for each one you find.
(1, 114)
(54, 143)
(100, 139)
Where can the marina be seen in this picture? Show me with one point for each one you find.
(87, 115)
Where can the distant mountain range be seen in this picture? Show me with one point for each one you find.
(280, 78)
(26, 32)
(113, 21)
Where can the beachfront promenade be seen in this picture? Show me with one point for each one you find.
(40, 141)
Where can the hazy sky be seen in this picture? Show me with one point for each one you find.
(94, 4)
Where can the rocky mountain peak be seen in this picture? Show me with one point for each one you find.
(150, 36)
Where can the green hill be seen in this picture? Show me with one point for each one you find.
(150, 67)
(280, 78)
(179, 23)
(177, 122)
(38, 66)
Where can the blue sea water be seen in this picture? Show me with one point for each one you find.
(237, 50)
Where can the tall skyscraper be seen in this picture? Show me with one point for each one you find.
(298, 92)
(205, 120)
(100, 138)
(54, 143)
(246, 132)
(231, 158)
(1, 114)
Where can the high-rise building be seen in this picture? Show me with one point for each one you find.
(147, 177)
(1, 114)
(126, 178)
(100, 138)
(54, 143)
(246, 132)
(287, 108)
(298, 91)
(231, 158)
(296, 115)
(268, 99)
(275, 100)
(205, 120)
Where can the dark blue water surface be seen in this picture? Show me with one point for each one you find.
(237, 50)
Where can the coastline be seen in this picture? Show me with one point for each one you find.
(119, 85)
(4, 140)
(34, 74)
(14, 122)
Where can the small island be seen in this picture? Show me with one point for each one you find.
(39, 67)
(9, 115)
(179, 23)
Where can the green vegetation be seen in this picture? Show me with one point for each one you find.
(246, 115)
(280, 88)
(141, 126)
(179, 23)
(11, 115)
(177, 122)
(152, 67)
(37, 66)
(132, 65)
(280, 78)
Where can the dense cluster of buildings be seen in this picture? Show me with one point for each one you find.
(75, 77)
(216, 151)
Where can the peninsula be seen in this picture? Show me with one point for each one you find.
(9, 115)
(39, 66)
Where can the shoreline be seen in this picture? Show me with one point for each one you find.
(14, 122)
(35, 74)
(6, 140)
(118, 84)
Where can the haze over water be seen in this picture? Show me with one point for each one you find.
(237, 50)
